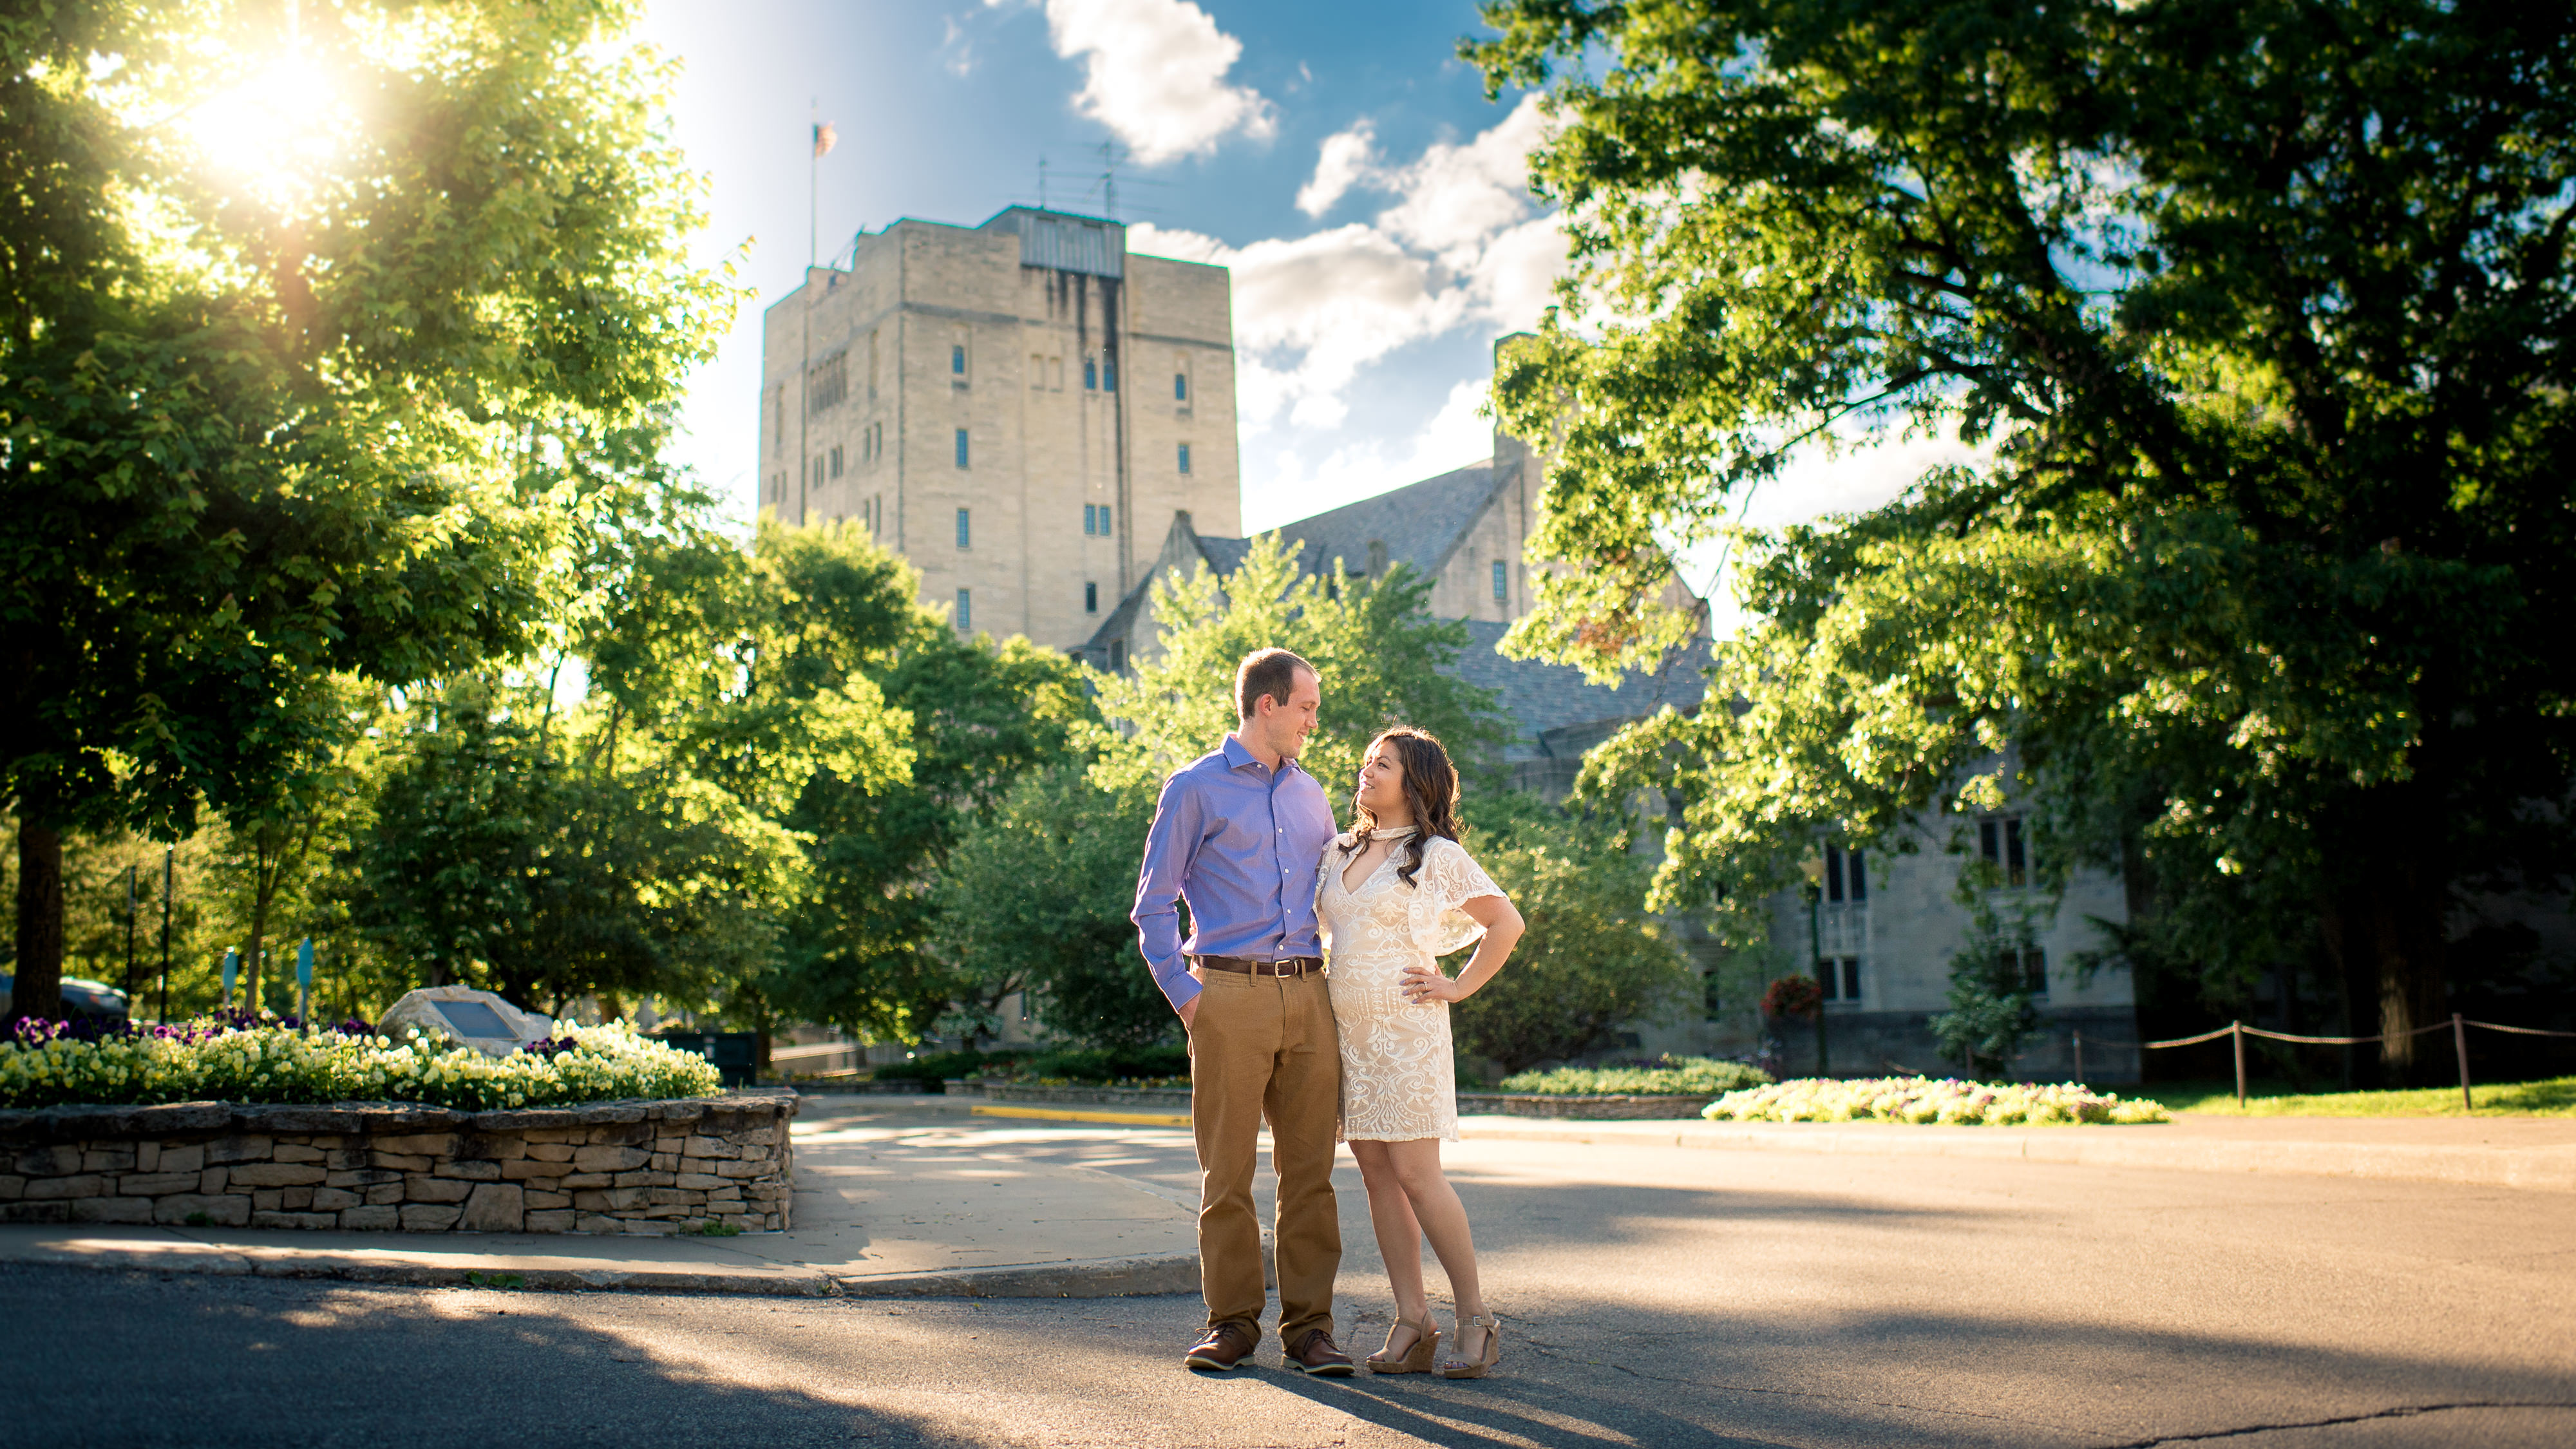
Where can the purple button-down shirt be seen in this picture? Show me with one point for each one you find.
(1240, 842)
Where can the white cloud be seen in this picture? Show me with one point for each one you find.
(1346, 159)
(1300, 485)
(1154, 74)
(1456, 198)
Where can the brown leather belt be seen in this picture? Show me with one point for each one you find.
(1295, 966)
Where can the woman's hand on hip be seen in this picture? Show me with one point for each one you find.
(1423, 984)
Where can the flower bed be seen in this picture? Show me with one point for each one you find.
(1927, 1100)
(50, 1064)
(1673, 1076)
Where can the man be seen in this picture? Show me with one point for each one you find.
(1239, 834)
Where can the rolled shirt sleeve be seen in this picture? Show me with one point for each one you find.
(1173, 843)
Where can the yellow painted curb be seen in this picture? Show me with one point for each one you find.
(1071, 1114)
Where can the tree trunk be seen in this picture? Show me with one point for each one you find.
(38, 989)
(2385, 925)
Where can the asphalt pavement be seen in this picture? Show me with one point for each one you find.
(1651, 1295)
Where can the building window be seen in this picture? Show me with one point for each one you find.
(1117, 655)
(836, 460)
(1839, 976)
(1091, 374)
(1845, 877)
(2023, 970)
(1037, 371)
(965, 601)
(1712, 1004)
(1091, 598)
(1109, 373)
(872, 367)
(1180, 387)
(1502, 583)
(957, 359)
(961, 447)
(1999, 841)
(827, 383)
(965, 530)
(1185, 457)
(1095, 519)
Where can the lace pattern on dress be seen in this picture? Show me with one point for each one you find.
(1398, 1080)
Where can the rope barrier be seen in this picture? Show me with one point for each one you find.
(2237, 1031)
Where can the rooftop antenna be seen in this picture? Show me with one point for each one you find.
(1042, 181)
(1109, 178)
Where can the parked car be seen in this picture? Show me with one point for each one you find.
(81, 997)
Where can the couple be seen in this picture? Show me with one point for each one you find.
(1360, 1055)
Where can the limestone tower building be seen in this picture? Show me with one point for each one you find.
(1019, 408)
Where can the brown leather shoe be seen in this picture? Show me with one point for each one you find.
(1315, 1354)
(1225, 1346)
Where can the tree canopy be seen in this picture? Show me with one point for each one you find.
(274, 416)
(2257, 317)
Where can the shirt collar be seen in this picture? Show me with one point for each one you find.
(1237, 756)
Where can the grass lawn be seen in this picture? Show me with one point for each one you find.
(2555, 1097)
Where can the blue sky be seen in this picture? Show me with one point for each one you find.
(1337, 156)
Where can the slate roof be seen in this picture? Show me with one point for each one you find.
(1541, 697)
(1420, 523)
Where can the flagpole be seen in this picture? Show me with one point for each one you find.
(813, 188)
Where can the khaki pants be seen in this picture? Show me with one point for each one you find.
(1264, 1046)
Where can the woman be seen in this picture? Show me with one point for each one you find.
(1394, 893)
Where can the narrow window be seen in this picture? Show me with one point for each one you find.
(2003, 845)
(1037, 371)
(1109, 373)
(1104, 520)
(1859, 877)
(836, 460)
(957, 359)
(961, 447)
(1117, 655)
(1185, 457)
(965, 530)
(965, 604)
(1091, 374)
(1180, 387)
(1502, 583)
(1828, 978)
(1091, 598)
(1712, 1005)
(1833, 873)
(1851, 978)
(1090, 520)
(872, 367)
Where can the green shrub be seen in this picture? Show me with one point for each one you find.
(281, 1064)
(1925, 1100)
(1112, 1066)
(1696, 1076)
(941, 1066)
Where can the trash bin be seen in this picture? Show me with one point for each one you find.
(736, 1054)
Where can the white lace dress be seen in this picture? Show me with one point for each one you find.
(1398, 1082)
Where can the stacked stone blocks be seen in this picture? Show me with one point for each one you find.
(640, 1167)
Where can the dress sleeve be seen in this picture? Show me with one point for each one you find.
(1450, 878)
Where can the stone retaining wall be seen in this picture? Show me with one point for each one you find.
(609, 1167)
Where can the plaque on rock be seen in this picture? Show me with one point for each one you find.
(466, 1017)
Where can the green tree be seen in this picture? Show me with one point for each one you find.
(2258, 313)
(1382, 657)
(1592, 957)
(1035, 900)
(273, 419)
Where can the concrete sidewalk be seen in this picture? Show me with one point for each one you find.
(895, 1196)
(953, 1197)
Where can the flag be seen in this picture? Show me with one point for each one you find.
(825, 138)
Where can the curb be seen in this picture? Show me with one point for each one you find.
(1139, 1275)
(1076, 1114)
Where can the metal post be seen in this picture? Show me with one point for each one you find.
(2236, 1034)
(129, 940)
(304, 983)
(232, 967)
(1817, 968)
(2079, 1058)
(166, 853)
(2460, 1043)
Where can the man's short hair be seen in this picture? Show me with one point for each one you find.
(1271, 672)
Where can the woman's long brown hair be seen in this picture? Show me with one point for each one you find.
(1430, 787)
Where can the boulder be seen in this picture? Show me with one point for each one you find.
(466, 1017)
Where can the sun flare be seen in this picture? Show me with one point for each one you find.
(272, 132)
